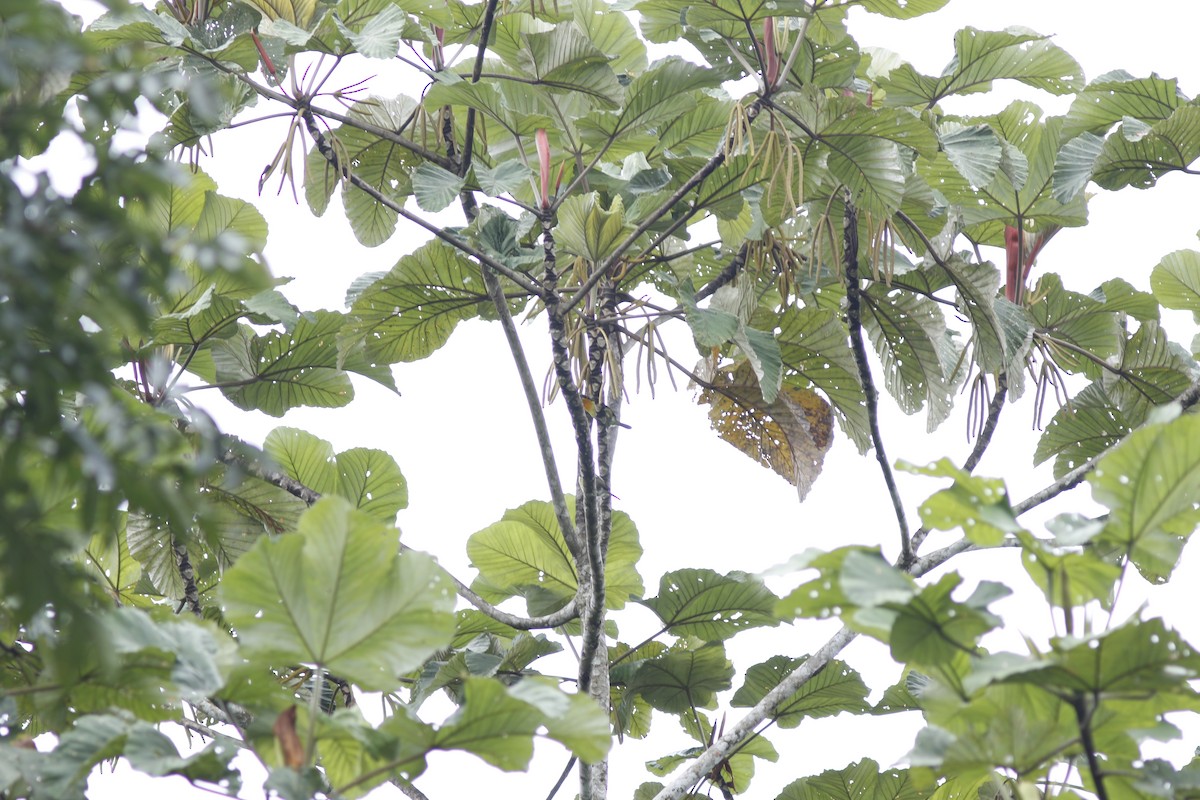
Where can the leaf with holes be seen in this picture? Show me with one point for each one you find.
(712, 607)
(789, 435)
(834, 690)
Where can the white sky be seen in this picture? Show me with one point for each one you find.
(460, 431)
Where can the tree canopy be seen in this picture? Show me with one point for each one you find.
(829, 236)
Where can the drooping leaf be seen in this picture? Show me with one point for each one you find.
(816, 352)
(1175, 281)
(909, 333)
(1138, 154)
(377, 614)
(710, 606)
(411, 312)
(1150, 482)
(1069, 579)
(981, 57)
(682, 678)
(277, 371)
(789, 435)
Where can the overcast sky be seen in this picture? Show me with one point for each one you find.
(461, 434)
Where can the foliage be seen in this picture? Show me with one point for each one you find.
(850, 209)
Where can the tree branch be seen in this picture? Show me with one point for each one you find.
(489, 15)
(723, 747)
(854, 321)
(570, 535)
(1083, 714)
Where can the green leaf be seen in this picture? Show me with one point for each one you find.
(766, 359)
(815, 348)
(498, 724)
(279, 371)
(411, 312)
(1175, 281)
(382, 164)
(107, 560)
(858, 781)
(980, 506)
(434, 187)
(1069, 579)
(1081, 430)
(1152, 371)
(585, 228)
(376, 615)
(1116, 95)
(505, 178)
(1137, 657)
(981, 57)
(835, 689)
(200, 658)
(1138, 155)
(226, 216)
(297, 12)
(1150, 483)
(1071, 323)
(525, 552)
(918, 358)
(684, 677)
(711, 607)
(379, 36)
(712, 327)
(973, 150)
(372, 481)
(307, 458)
(1075, 164)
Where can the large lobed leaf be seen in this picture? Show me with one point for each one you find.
(338, 594)
(525, 554)
(710, 606)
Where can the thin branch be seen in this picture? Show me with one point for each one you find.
(489, 15)
(538, 416)
(989, 426)
(854, 321)
(407, 789)
(562, 778)
(731, 271)
(235, 454)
